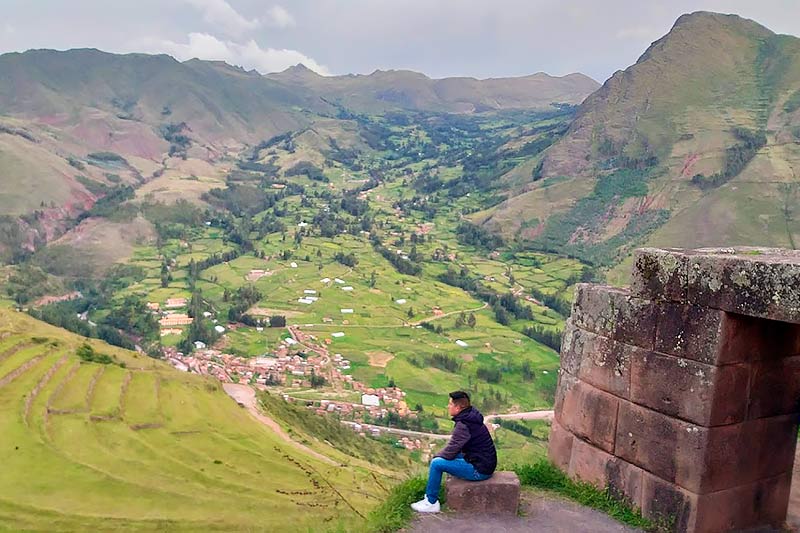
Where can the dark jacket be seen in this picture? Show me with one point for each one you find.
(471, 438)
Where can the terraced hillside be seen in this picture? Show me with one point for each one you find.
(135, 445)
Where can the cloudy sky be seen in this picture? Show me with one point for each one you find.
(480, 38)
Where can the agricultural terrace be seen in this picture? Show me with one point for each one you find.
(91, 446)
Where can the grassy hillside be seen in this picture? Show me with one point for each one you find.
(136, 445)
(707, 120)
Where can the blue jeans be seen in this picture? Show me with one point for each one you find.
(457, 467)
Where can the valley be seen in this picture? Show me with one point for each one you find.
(237, 301)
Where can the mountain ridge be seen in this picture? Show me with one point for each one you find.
(699, 117)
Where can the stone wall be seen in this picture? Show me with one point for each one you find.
(681, 393)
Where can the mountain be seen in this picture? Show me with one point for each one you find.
(696, 144)
(403, 89)
(76, 124)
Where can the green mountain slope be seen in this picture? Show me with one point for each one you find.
(159, 122)
(137, 445)
(695, 144)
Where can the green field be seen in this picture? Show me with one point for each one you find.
(101, 447)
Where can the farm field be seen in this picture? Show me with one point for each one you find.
(136, 445)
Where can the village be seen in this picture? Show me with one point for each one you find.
(298, 363)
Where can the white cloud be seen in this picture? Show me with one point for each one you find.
(222, 15)
(248, 55)
(279, 17)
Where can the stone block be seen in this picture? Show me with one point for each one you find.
(760, 282)
(668, 503)
(589, 463)
(598, 360)
(625, 481)
(559, 448)
(696, 392)
(759, 504)
(593, 465)
(775, 387)
(587, 412)
(704, 460)
(659, 274)
(692, 332)
(497, 495)
(744, 453)
(614, 313)
(669, 448)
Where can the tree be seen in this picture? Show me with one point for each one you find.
(410, 312)
(277, 321)
(472, 321)
(461, 320)
(373, 279)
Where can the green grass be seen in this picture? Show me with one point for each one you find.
(395, 512)
(543, 475)
(99, 447)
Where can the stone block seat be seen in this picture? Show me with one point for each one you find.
(497, 495)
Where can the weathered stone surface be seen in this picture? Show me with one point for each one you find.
(669, 448)
(659, 274)
(559, 448)
(595, 466)
(614, 313)
(744, 453)
(667, 503)
(588, 463)
(497, 495)
(762, 503)
(598, 360)
(696, 392)
(689, 331)
(704, 460)
(760, 282)
(775, 387)
(589, 413)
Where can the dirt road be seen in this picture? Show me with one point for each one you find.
(245, 395)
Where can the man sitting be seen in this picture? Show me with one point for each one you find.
(469, 455)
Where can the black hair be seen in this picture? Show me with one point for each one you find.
(460, 398)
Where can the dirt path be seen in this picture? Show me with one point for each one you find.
(245, 395)
(451, 313)
(544, 414)
(540, 512)
(396, 431)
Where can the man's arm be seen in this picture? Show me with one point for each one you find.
(458, 439)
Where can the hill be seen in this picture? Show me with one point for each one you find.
(77, 124)
(385, 90)
(109, 439)
(694, 145)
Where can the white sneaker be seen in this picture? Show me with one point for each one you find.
(424, 506)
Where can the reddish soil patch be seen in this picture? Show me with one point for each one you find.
(688, 164)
